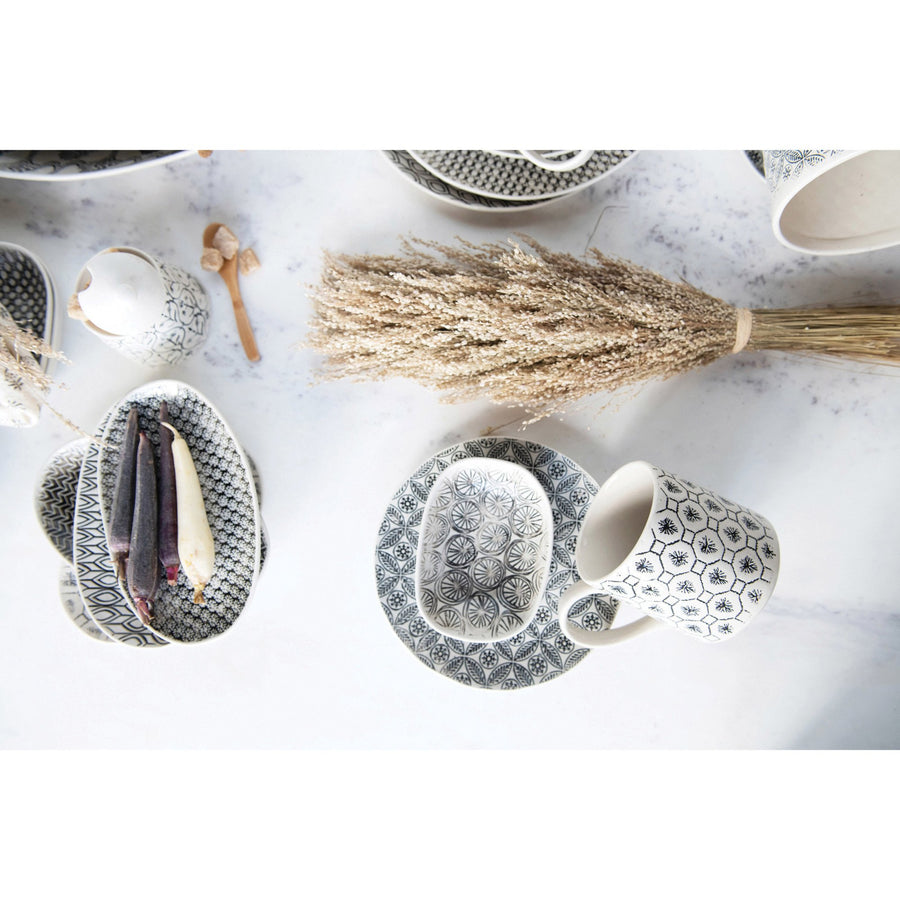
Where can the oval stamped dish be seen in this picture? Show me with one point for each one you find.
(484, 550)
(232, 508)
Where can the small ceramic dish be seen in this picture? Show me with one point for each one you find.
(484, 552)
(232, 507)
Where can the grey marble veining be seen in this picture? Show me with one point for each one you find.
(311, 664)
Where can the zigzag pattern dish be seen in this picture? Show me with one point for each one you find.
(54, 498)
(94, 572)
(231, 504)
(541, 652)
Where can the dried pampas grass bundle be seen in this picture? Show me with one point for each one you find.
(539, 330)
(19, 367)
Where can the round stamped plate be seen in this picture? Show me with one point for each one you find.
(541, 652)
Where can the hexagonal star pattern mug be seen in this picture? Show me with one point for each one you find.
(681, 554)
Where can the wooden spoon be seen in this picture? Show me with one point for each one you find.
(229, 273)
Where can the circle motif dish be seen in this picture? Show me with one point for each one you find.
(484, 551)
(541, 652)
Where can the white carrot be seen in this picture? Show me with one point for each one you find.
(195, 542)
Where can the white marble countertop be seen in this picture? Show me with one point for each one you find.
(313, 662)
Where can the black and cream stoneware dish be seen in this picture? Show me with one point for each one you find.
(55, 502)
(70, 598)
(541, 652)
(500, 177)
(75, 165)
(28, 295)
(232, 507)
(422, 178)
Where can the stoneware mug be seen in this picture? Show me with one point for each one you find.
(150, 311)
(681, 554)
(834, 202)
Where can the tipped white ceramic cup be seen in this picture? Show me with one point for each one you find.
(166, 309)
(834, 202)
(680, 554)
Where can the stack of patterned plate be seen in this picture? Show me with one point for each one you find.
(498, 180)
(73, 498)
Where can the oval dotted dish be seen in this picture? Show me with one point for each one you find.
(232, 507)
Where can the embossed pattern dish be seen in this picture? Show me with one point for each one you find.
(484, 551)
(541, 652)
(232, 508)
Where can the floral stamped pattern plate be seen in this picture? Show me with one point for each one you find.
(541, 652)
(514, 178)
(232, 507)
(484, 550)
(75, 165)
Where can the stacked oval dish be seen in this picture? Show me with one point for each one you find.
(74, 502)
(504, 180)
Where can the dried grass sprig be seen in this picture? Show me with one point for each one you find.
(540, 330)
(18, 348)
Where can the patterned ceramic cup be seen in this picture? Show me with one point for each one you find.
(484, 550)
(683, 555)
(834, 201)
(178, 326)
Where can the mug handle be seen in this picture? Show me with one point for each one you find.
(582, 589)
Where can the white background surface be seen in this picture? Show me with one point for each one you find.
(312, 664)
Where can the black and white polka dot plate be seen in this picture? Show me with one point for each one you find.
(541, 652)
(425, 180)
(513, 178)
(232, 506)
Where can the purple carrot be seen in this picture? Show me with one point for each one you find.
(168, 506)
(123, 496)
(143, 557)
